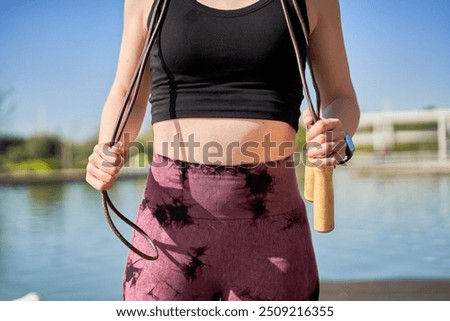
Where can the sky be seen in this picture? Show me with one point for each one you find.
(58, 59)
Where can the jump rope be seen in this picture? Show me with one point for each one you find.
(318, 181)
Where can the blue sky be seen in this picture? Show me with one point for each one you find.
(59, 58)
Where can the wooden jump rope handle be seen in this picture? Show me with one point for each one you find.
(318, 187)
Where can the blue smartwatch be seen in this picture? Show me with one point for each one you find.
(349, 149)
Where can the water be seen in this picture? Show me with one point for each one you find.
(55, 241)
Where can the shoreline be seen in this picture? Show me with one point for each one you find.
(386, 290)
(78, 175)
(376, 290)
(402, 169)
(63, 176)
(399, 164)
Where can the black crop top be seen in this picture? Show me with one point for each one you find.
(240, 63)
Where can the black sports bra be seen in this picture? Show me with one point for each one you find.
(240, 63)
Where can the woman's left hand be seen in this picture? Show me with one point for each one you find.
(325, 140)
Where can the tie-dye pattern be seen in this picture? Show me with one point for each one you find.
(223, 232)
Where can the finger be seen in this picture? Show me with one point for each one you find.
(329, 136)
(330, 161)
(323, 126)
(96, 183)
(117, 150)
(99, 174)
(307, 118)
(325, 149)
(108, 166)
(108, 157)
(106, 149)
(333, 126)
(335, 134)
(117, 155)
(98, 162)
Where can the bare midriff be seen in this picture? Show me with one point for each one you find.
(224, 141)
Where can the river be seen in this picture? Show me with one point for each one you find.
(55, 241)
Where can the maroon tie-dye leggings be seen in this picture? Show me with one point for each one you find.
(224, 233)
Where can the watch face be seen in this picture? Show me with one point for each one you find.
(349, 141)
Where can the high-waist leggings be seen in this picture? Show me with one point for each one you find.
(223, 232)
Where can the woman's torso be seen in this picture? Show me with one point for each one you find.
(220, 140)
(224, 141)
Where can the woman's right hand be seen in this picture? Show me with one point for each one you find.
(104, 165)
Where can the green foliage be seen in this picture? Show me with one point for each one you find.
(38, 152)
(365, 149)
(422, 126)
(80, 152)
(43, 146)
(300, 138)
(35, 165)
(16, 153)
(7, 142)
(11, 150)
(408, 147)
